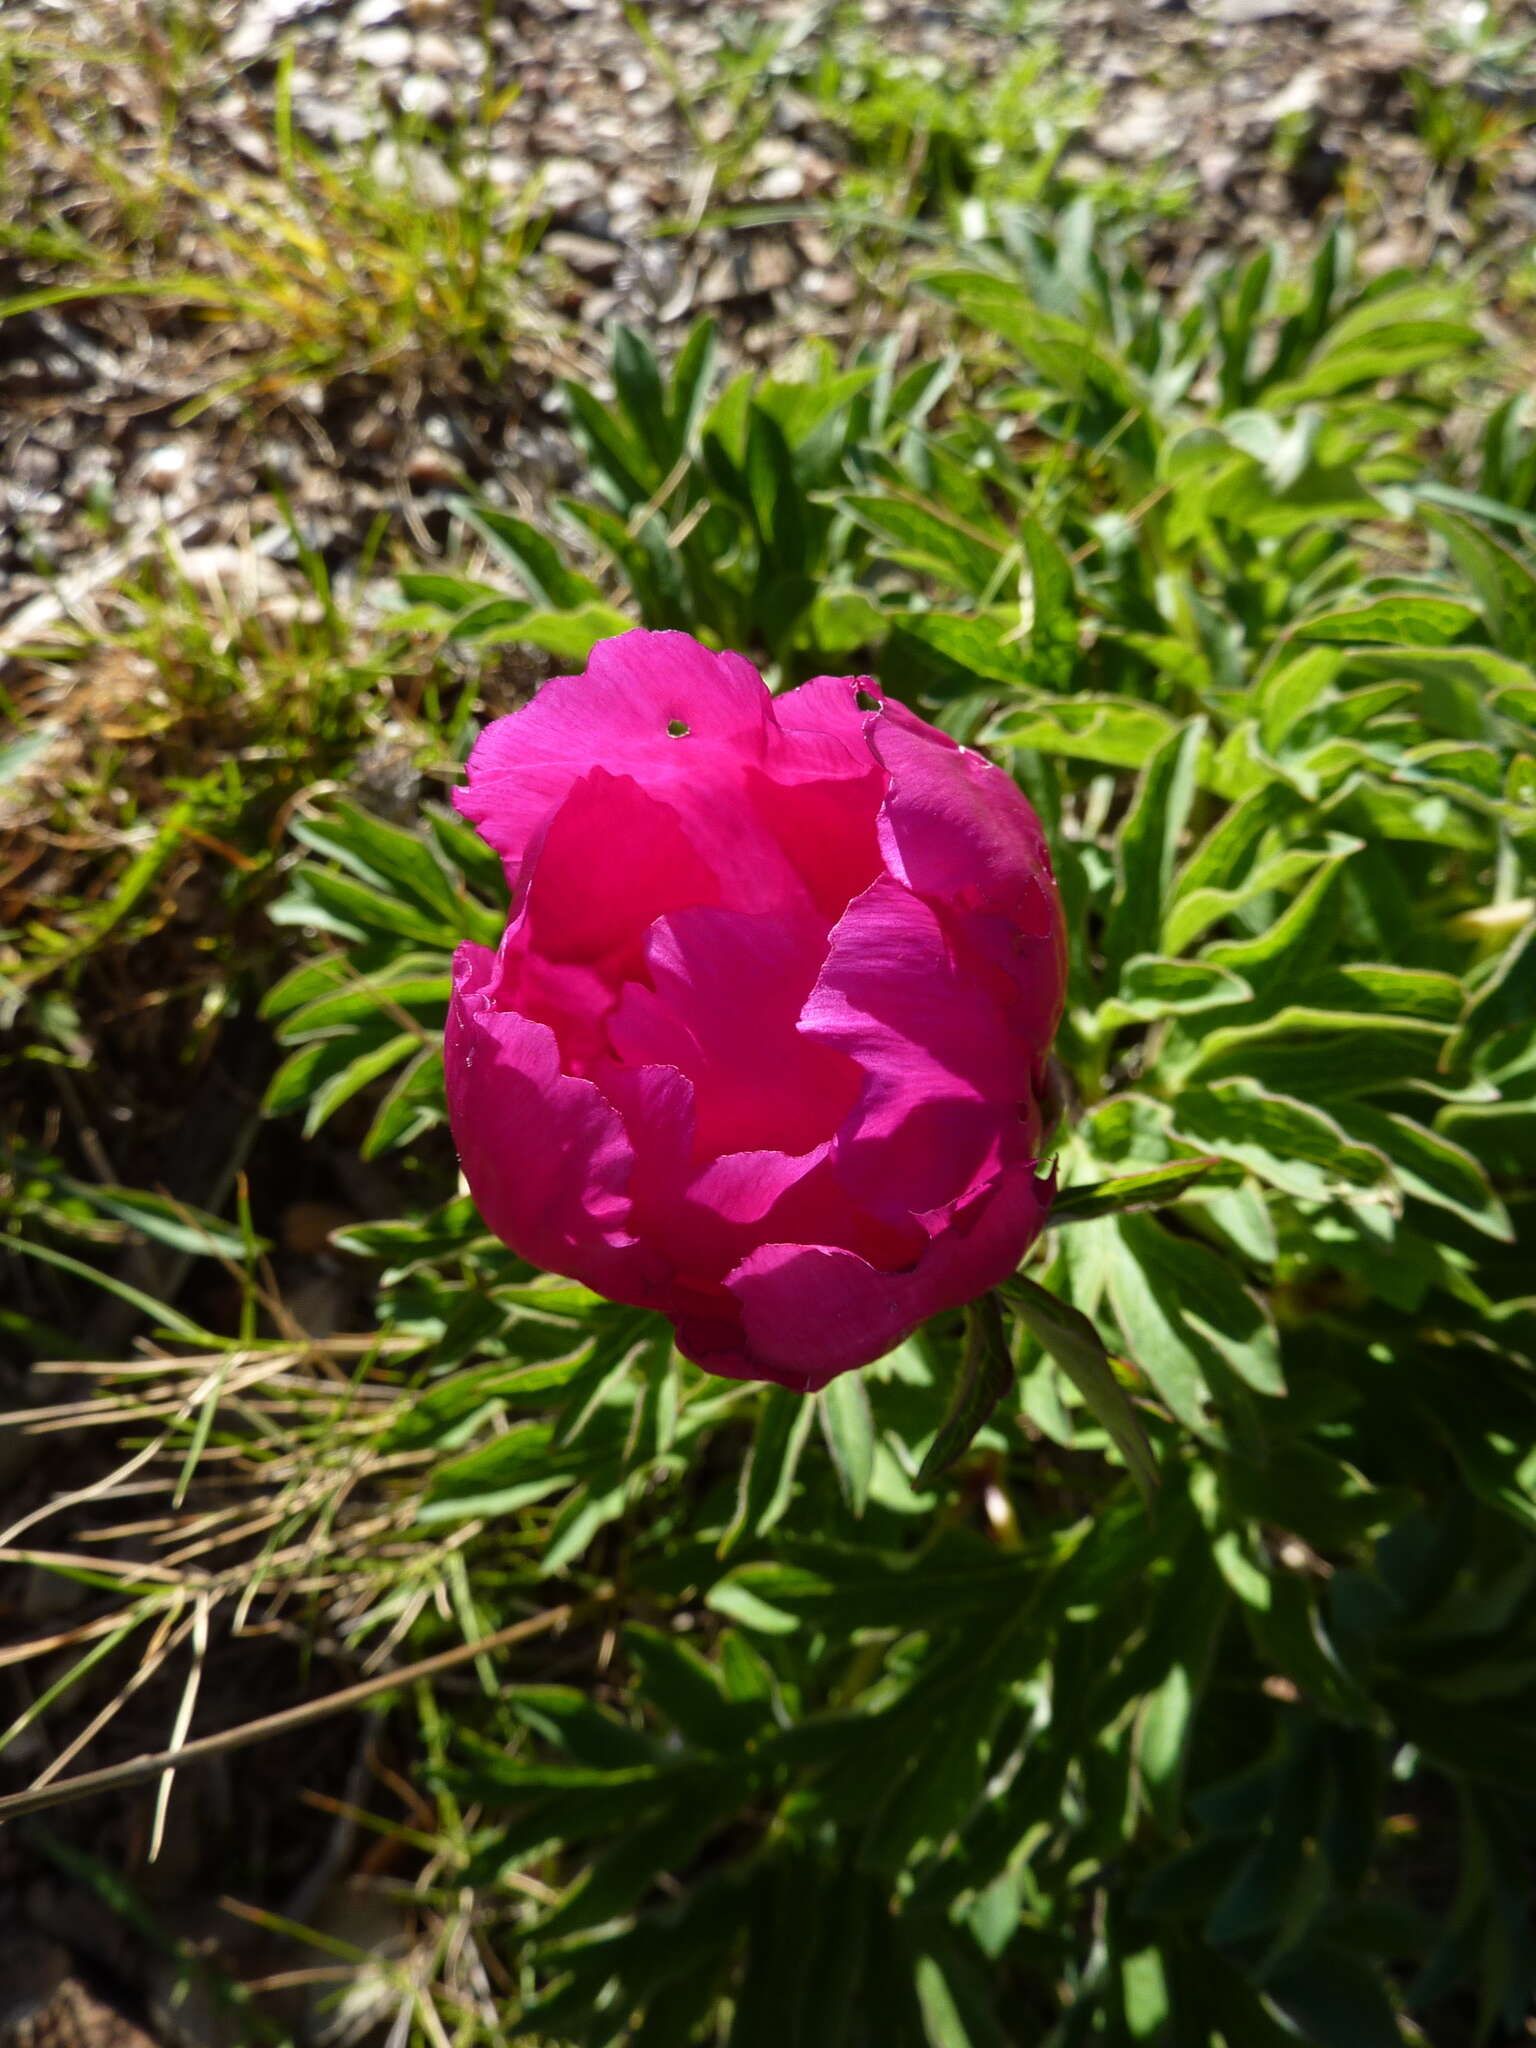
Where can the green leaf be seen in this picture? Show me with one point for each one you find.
(328, 1072)
(739, 1601)
(1195, 910)
(589, 1509)
(1112, 730)
(1060, 349)
(1188, 1319)
(453, 594)
(387, 857)
(356, 1074)
(777, 501)
(569, 636)
(986, 1374)
(335, 902)
(159, 1314)
(1300, 932)
(1503, 581)
(372, 999)
(943, 2020)
(1148, 843)
(692, 374)
(1052, 638)
(533, 555)
(1128, 1191)
(626, 474)
(181, 1225)
(415, 1102)
(16, 756)
(1294, 1147)
(1431, 1167)
(567, 1718)
(637, 380)
(1322, 1053)
(497, 1479)
(1504, 1001)
(686, 1688)
(1072, 1341)
(848, 1425)
(1402, 619)
(1332, 1998)
(1151, 987)
(925, 539)
(1368, 989)
(768, 1477)
(650, 1849)
(963, 648)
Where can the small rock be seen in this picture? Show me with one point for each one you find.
(305, 1227)
(374, 432)
(413, 168)
(386, 49)
(337, 122)
(437, 52)
(832, 287)
(164, 467)
(782, 181)
(34, 464)
(237, 576)
(770, 265)
(1299, 96)
(256, 33)
(584, 254)
(431, 468)
(719, 283)
(623, 196)
(506, 172)
(1237, 13)
(568, 184)
(429, 98)
(1147, 125)
(1216, 166)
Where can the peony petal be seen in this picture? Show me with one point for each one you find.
(1025, 969)
(617, 715)
(726, 990)
(621, 716)
(745, 1199)
(852, 709)
(956, 828)
(827, 829)
(810, 1312)
(831, 705)
(612, 860)
(602, 868)
(706, 1218)
(944, 1075)
(546, 1157)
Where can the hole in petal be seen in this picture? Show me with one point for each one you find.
(865, 701)
(678, 728)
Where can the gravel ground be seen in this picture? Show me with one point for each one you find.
(1256, 116)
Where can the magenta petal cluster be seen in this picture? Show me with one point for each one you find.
(763, 1045)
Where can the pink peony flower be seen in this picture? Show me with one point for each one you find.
(763, 1046)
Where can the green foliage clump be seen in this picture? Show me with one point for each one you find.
(846, 1752)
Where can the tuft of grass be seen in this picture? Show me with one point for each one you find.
(399, 257)
(175, 736)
